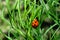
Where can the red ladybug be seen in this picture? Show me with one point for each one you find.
(35, 23)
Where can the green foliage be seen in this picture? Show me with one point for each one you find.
(20, 21)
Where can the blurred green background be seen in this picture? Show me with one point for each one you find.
(16, 17)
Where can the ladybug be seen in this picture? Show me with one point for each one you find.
(35, 23)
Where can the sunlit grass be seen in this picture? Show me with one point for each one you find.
(20, 21)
